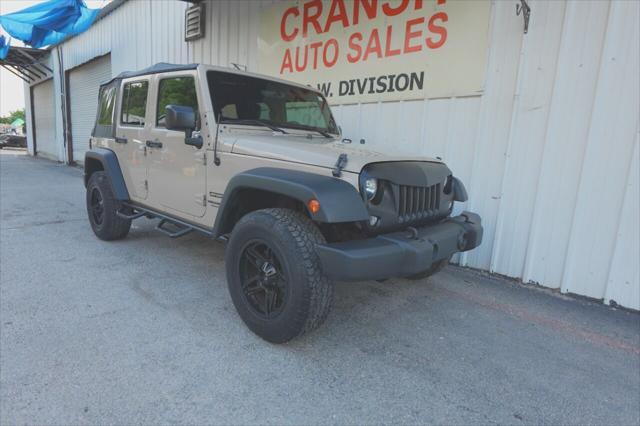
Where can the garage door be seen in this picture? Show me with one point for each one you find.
(84, 83)
(44, 119)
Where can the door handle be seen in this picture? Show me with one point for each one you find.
(121, 140)
(154, 144)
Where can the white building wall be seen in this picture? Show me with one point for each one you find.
(28, 119)
(549, 152)
(28, 107)
(138, 34)
(83, 84)
(45, 119)
(58, 105)
(608, 151)
(546, 151)
(622, 283)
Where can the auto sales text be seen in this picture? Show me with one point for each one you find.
(299, 23)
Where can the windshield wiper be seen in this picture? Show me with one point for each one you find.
(323, 133)
(312, 129)
(255, 122)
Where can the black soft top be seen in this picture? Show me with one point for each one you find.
(153, 69)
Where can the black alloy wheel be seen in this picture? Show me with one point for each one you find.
(264, 282)
(274, 274)
(97, 206)
(102, 209)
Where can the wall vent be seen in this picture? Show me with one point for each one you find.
(194, 22)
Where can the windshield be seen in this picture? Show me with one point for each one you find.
(243, 98)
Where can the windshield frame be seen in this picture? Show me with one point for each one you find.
(324, 107)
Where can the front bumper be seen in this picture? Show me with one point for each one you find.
(400, 253)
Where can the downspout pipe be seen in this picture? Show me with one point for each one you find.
(63, 105)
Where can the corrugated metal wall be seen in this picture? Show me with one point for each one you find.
(45, 119)
(549, 152)
(83, 84)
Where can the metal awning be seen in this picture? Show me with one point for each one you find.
(27, 63)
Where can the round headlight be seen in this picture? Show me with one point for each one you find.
(370, 187)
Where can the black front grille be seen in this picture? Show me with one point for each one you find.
(418, 202)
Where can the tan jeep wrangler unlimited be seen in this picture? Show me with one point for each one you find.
(260, 163)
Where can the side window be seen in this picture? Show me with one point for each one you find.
(229, 111)
(261, 109)
(175, 91)
(107, 101)
(265, 111)
(305, 112)
(134, 103)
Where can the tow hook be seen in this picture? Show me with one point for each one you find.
(462, 241)
(412, 233)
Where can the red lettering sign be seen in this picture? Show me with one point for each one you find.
(299, 24)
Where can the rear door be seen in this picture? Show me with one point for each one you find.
(104, 129)
(131, 135)
(177, 172)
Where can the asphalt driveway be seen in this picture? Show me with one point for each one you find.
(143, 331)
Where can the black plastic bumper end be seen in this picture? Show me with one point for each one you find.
(400, 253)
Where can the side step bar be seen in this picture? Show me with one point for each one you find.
(131, 216)
(179, 232)
(180, 227)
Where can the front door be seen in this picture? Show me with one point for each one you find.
(177, 172)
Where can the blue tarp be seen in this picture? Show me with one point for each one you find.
(4, 47)
(49, 22)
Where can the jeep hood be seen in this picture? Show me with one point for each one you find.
(316, 152)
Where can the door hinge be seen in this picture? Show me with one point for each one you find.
(204, 158)
(204, 200)
(524, 9)
(146, 185)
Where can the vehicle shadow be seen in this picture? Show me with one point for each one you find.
(363, 307)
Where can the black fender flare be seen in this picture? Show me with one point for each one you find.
(339, 200)
(459, 191)
(109, 161)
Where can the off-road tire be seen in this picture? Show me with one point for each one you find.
(292, 238)
(111, 227)
(434, 269)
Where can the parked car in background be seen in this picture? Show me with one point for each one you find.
(8, 140)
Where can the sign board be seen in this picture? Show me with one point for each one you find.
(378, 50)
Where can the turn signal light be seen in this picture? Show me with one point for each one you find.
(314, 206)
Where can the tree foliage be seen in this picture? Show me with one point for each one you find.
(176, 91)
(13, 115)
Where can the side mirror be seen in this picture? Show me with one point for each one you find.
(178, 117)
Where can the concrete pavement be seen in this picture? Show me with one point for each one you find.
(143, 331)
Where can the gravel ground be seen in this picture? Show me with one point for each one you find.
(143, 331)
